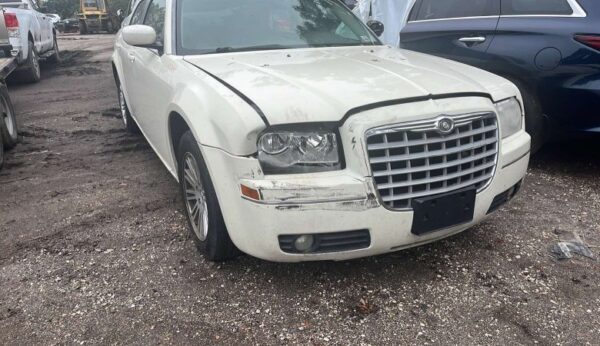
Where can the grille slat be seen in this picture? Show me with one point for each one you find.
(454, 150)
(439, 191)
(430, 180)
(433, 141)
(469, 160)
(409, 161)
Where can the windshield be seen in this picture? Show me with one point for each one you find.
(220, 26)
(96, 4)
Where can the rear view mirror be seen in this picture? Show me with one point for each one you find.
(376, 26)
(140, 36)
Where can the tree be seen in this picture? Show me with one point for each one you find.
(64, 8)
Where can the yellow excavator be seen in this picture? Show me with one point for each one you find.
(96, 16)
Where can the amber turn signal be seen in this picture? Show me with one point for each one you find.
(250, 193)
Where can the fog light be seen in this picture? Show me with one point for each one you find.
(304, 243)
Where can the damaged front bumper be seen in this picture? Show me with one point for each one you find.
(344, 205)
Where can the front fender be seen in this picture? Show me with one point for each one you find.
(216, 116)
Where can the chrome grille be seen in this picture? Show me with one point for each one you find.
(414, 160)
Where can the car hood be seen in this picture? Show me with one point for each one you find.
(320, 85)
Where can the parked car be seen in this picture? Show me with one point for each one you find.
(8, 121)
(32, 36)
(54, 18)
(307, 139)
(68, 25)
(549, 49)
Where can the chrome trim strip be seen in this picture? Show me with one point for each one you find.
(578, 12)
(429, 124)
(454, 18)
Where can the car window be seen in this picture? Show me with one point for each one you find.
(138, 15)
(218, 26)
(436, 9)
(34, 5)
(536, 7)
(155, 17)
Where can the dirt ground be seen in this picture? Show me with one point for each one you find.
(94, 248)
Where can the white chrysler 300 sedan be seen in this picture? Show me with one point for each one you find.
(295, 135)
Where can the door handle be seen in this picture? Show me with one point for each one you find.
(131, 57)
(473, 40)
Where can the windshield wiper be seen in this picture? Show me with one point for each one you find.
(250, 48)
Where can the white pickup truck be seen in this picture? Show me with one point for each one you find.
(32, 36)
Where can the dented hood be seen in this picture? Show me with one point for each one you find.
(318, 85)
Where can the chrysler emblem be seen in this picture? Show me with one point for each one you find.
(445, 125)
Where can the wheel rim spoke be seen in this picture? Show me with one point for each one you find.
(195, 197)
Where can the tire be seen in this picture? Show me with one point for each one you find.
(8, 120)
(55, 58)
(110, 28)
(1, 152)
(130, 124)
(535, 121)
(31, 72)
(206, 225)
(82, 28)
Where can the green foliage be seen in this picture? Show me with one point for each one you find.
(115, 5)
(64, 8)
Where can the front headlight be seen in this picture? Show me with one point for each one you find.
(510, 116)
(285, 152)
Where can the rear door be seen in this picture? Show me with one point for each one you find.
(461, 30)
(44, 37)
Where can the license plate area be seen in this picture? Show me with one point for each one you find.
(439, 212)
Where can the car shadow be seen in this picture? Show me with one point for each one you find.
(569, 155)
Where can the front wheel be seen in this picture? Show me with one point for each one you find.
(31, 72)
(128, 121)
(1, 152)
(201, 204)
(55, 57)
(535, 121)
(110, 28)
(82, 28)
(8, 121)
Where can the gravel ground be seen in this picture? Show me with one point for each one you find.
(94, 248)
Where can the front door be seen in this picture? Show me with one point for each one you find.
(152, 83)
(461, 30)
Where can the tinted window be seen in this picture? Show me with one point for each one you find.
(220, 26)
(155, 17)
(138, 15)
(533, 7)
(441, 9)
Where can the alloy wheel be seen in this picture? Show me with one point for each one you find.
(9, 119)
(195, 196)
(123, 105)
(35, 63)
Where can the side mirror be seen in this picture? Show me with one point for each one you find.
(376, 26)
(140, 36)
(120, 13)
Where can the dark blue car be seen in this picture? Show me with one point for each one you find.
(549, 48)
